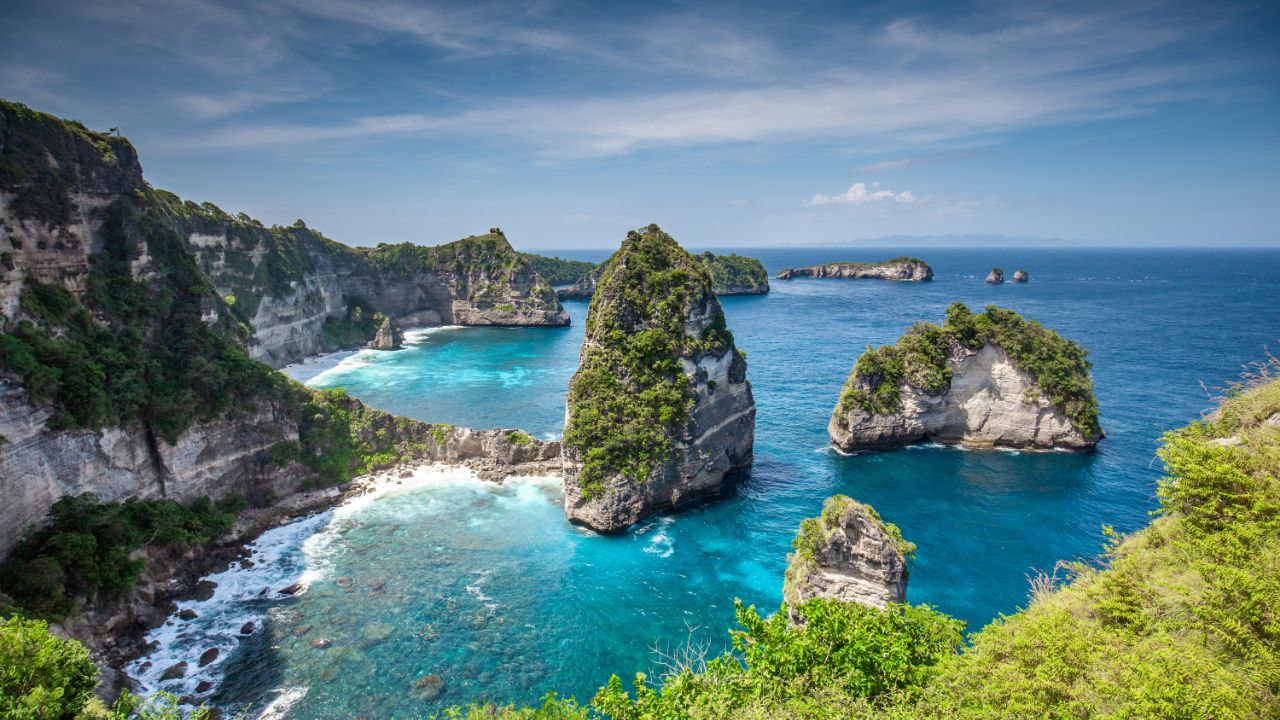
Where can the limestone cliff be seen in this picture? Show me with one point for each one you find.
(659, 412)
(900, 268)
(988, 380)
(731, 274)
(848, 554)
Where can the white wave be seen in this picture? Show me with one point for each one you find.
(660, 543)
(416, 336)
(310, 367)
(242, 595)
(282, 703)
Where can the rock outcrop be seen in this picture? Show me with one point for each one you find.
(388, 337)
(848, 554)
(731, 274)
(1020, 276)
(900, 268)
(989, 380)
(659, 412)
(996, 276)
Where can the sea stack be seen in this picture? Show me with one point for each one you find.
(1020, 276)
(388, 336)
(900, 268)
(993, 379)
(848, 554)
(659, 412)
(995, 277)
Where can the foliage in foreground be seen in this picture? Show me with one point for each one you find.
(1181, 621)
(919, 358)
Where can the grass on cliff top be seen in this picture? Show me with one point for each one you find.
(630, 394)
(919, 358)
(28, 138)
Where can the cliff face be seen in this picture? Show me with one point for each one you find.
(730, 274)
(974, 381)
(660, 411)
(905, 268)
(847, 554)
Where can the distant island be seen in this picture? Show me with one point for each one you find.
(899, 268)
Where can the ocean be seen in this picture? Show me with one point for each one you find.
(488, 588)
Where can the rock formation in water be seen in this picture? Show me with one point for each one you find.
(731, 274)
(848, 554)
(899, 268)
(996, 276)
(988, 380)
(388, 336)
(558, 271)
(659, 412)
(1020, 276)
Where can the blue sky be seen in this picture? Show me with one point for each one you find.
(801, 123)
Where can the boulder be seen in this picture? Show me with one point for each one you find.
(995, 277)
(1020, 276)
(388, 336)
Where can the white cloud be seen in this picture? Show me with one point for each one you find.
(859, 194)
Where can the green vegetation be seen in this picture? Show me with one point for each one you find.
(919, 358)
(733, 272)
(44, 677)
(630, 394)
(814, 532)
(84, 549)
(519, 437)
(28, 139)
(558, 271)
(134, 352)
(354, 328)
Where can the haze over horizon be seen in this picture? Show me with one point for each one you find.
(1135, 124)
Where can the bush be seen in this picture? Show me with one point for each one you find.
(42, 677)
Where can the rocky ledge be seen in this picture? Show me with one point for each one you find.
(900, 268)
(988, 380)
(848, 554)
(659, 412)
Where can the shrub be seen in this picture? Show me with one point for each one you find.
(42, 677)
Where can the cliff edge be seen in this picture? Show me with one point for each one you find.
(659, 411)
(988, 380)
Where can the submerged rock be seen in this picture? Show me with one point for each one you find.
(847, 554)
(989, 380)
(899, 268)
(428, 687)
(659, 412)
(1020, 276)
(388, 336)
(996, 276)
(175, 671)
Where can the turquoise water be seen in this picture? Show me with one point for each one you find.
(489, 589)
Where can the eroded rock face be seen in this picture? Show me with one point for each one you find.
(903, 269)
(388, 337)
(703, 446)
(847, 554)
(990, 403)
(996, 276)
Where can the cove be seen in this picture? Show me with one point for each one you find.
(488, 588)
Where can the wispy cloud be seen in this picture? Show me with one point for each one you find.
(915, 86)
(860, 194)
(885, 165)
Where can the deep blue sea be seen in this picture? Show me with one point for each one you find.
(488, 588)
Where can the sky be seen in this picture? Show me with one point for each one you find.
(730, 125)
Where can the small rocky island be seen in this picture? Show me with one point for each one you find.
(848, 554)
(659, 412)
(993, 379)
(1020, 276)
(731, 274)
(388, 336)
(899, 268)
(995, 277)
